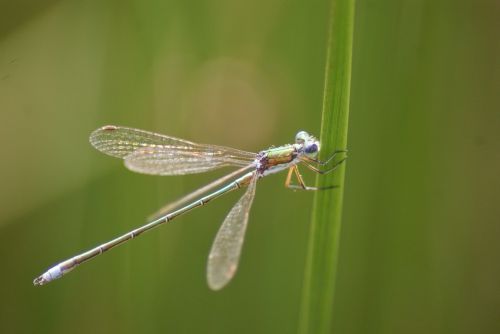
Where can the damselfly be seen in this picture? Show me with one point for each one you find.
(151, 153)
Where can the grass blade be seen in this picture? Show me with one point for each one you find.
(321, 263)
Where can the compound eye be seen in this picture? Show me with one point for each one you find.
(301, 137)
(313, 148)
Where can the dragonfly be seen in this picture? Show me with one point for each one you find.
(156, 154)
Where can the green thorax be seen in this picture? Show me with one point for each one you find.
(278, 155)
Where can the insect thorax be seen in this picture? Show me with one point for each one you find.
(275, 158)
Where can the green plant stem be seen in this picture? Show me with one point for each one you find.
(322, 257)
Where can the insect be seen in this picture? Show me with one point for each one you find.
(152, 153)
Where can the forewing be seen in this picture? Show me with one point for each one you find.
(226, 249)
(120, 141)
(152, 153)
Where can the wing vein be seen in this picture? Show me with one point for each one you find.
(226, 249)
(152, 153)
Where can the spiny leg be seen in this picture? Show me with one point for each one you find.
(300, 179)
(322, 172)
(301, 185)
(327, 161)
(289, 177)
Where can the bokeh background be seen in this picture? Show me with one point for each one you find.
(420, 241)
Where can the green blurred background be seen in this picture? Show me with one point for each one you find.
(420, 242)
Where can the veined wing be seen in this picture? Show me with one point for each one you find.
(226, 249)
(152, 153)
(197, 193)
(175, 161)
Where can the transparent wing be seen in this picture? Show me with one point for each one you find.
(226, 249)
(175, 161)
(152, 153)
(197, 193)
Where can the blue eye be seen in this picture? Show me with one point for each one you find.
(311, 148)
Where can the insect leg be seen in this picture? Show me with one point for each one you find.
(327, 161)
(302, 185)
(322, 172)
